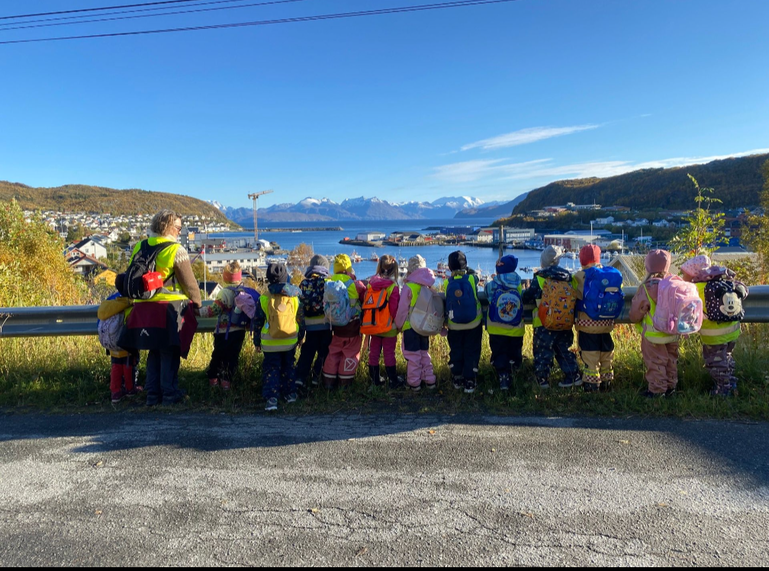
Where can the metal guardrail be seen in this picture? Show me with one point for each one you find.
(81, 319)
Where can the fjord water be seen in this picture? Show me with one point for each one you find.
(327, 242)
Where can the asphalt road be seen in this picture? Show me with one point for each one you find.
(196, 489)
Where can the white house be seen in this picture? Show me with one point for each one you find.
(92, 248)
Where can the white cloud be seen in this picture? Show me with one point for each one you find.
(469, 171)
(525, 136)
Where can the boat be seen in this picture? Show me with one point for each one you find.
(374, 257)
(355, 257)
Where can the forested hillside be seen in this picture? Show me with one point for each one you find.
(737, 182)
(81, 198)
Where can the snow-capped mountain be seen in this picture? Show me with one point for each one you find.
(216, 204)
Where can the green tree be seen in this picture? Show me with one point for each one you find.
(758, 235)
(75, 233)
(704, 231)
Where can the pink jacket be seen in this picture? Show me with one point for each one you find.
(421, 276)
(379, 283)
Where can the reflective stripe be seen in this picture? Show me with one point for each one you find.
(724, 330)
(648, 331)
(320, 320)
(494, 328)
(268, 343)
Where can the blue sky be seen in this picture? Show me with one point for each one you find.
(488, 101)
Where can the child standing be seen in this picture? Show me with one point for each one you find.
(279, 319)
(463, 314)
(415, 346)
(228, 337)
(659, 350)
(551, 343)
(721, 297)
(594, 339)
(504, 321)
(344, 351)
(124, 370)
(384, 280)
(318, 335)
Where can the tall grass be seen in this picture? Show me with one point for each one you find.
(72, 374)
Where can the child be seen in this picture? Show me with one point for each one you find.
(124, 371)
(596, 346)
(385, 279)
(344, 352)
(504, 321)
(721, 297)
(318, 330)
(463, 314)
(228, 338)
(659, 350)
(551, 343)
(415, 347)
(280, 322)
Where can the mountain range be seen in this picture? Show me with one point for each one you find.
(325, 210)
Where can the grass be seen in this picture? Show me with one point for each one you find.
(71, 374)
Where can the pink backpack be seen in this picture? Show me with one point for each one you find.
(679, 307)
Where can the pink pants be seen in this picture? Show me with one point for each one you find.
(343, 358)
(384, 345)
(661, 365)
(419, 368)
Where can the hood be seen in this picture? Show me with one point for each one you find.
(421, 276)
(554, 272)
(378, 282)
(322, 271)
(284, 289)
(510, 280)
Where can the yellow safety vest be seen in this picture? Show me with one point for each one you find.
(415, 289)
(714, 332)
(646, 327)
(268, 343)
(164, 265)
(494, 328)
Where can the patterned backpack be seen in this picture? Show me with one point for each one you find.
(336, 304)
(679, 307)
(723, 301)
(556, 308)
(110, 330)
(506, 306)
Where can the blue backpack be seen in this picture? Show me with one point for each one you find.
(461, 303)
(602, 297)
(506, 306)
(236, 317)
(336, 303)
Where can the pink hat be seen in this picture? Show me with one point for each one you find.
(696, 267)
(590, 254)
(232, 278)
(657, 262)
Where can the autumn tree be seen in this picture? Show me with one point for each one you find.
(758, 235)
(299, 258)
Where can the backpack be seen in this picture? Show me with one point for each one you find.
(723, 303)
(238, 315)
(281, 321)
(556, 308)
(506, 306)
(461, 302)
(376, 318)
(602, 296)
(336, 303)
(141, 281)
(428, 313)
(110, 330)
(679, 307)
(312, 295)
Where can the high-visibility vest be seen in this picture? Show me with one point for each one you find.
(713, 332)
(268, 343)
(164, 265)
(494, 328)
(415, 289)
(646, 327)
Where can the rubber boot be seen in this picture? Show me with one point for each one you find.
(373, 373)
(329, 382)
(396, 382)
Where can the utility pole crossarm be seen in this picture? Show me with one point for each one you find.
(255, 196)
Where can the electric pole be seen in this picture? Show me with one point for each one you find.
(255, 196)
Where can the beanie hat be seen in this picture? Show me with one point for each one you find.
(342, 263)
(507, 264)
(416, 262)
(550, 256)
(318, 260)
(232, 277)
(590, 254)
(696, 267)
(277, 273)
(657, 262)
(457, 261)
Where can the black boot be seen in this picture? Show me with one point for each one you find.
(373, 373)
(396, 382)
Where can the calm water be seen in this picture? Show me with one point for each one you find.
(327, 243)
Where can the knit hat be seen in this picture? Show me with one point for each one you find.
(590, 254)
(457, 261)
(342, 263)
(697, 266)
(318, 260)
(277, 273)
(416, 262)
(657, 262)
(232, 277)
(550, 256)
(507, 264)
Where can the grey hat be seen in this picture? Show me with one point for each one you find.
(416, 262)
(550, 256)
(318, 260)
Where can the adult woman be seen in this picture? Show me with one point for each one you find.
(164, 324)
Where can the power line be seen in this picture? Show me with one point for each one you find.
(100, 19)
(95, 9)
(379, 12)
